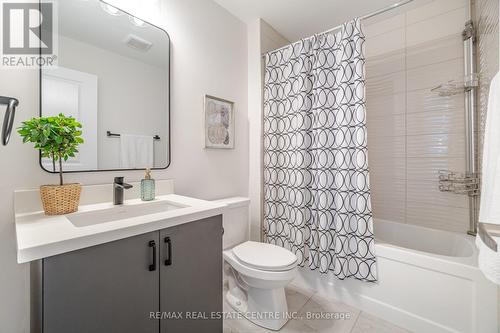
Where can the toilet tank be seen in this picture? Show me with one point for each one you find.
(236, 221)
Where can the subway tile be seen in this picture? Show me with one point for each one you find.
(427, 168)
(387, 179)
(436, 27)
(389, 84)
(436, 51)
(390, 125)
(425, 100)
(436, 145)
(386, 146)
(392, 167)
(413, 132)
(388, 185)
(386, 64)
(388, 193)
(444, 121)
(388, 190)
(437, 216)
(386, 172)
(433, 9)
(428, 77)
(388, 209)
(384, 105)
(428, 192)
(386, 43)
(384, 26)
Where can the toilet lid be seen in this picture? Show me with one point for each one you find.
(265, 256)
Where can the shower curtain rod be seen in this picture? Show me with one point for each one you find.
(367, 16)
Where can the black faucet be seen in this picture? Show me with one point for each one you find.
(118, 187)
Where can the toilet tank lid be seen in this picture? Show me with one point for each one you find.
(234, 202)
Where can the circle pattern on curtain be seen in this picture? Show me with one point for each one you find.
(316, 177)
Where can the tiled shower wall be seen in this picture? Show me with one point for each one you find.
(413, 133)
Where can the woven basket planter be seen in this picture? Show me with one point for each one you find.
(60, 199)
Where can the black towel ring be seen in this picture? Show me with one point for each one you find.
(8, 119)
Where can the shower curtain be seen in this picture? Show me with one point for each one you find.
(316, 182)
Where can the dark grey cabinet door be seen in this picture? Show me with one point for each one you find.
(107, 288)
(191, 283)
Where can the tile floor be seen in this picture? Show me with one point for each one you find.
(303, 302)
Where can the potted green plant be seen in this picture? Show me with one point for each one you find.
(57, 138)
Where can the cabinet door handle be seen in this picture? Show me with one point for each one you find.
(168, 261)
(152, 267)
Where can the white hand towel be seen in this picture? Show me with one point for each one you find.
(489, 211)
(488, 260)
(136, 151)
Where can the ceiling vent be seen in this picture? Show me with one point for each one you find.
(138, 43)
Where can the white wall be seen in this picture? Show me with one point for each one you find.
(142, 89)
(262, 38)
(209, 55)
(270, 38)
(255, 124)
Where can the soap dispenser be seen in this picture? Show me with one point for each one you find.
(147, 187)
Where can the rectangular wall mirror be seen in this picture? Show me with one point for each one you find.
(113, 77)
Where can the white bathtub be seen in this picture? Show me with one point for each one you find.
(428, 282)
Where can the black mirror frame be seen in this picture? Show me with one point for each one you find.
(169, 153)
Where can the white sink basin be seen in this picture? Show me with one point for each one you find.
(121, 212)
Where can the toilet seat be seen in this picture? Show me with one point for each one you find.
(267, 257)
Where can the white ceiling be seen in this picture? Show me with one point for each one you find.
(96, 27)
(296, 19)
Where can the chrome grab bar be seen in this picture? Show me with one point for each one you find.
(8, 120)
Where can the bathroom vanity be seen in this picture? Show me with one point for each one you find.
(139, 267)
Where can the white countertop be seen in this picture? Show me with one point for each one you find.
(40, 236)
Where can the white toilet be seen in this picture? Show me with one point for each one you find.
(257, 273)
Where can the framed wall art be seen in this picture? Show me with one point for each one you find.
(219, 123)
